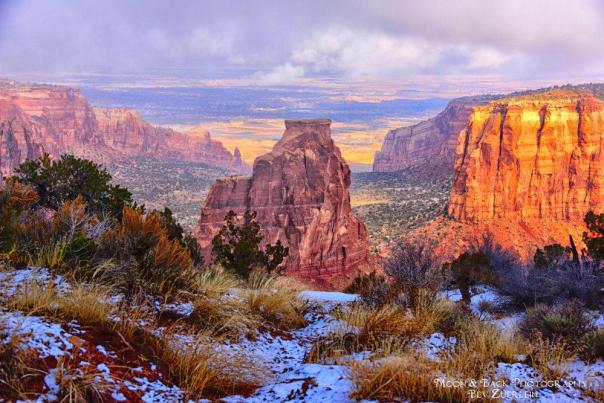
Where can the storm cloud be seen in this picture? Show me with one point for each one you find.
(281, 41)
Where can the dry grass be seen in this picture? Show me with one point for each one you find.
(16, 367)
(79, 385)
(51, 255)
(198, 365)
(147, 259)
(592, 346)
(337, 347)
(215, 282)
(480, 346)
(221, 318)
(393, 320)
(203, 370)
(382, 331)
(547, 356)
(88, 304)
(408, 377)
(411, 376)
(405, 375)
(85, 303)
(276, 301)
(33, 297)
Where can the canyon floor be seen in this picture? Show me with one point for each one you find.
(390, 204)
(270, 365)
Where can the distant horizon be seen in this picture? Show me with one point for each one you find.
(236, 67)
(375, 50)
(251, 117)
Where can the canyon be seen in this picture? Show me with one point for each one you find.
(527, 168)
(300, 191)
(429, 143)
(37, 119)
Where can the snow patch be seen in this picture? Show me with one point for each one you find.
(436, 344)
(156, 391)
(328, 297)
(34, 332)
(11, 281)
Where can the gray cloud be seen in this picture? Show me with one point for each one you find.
(278, 41)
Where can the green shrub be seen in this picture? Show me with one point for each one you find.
(175, 231)
(80, 251)
(594, 238)
(592, 346)
(69, 177)
(566, 322)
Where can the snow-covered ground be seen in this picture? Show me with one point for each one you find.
(291, 378)
(294, 379)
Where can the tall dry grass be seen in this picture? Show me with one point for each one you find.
(202, 369)
(87, 304)
(480, 346)
(215, 282)
(17, 367)
(79, 384)
(33, 297)
(275, 299)
(404, 377)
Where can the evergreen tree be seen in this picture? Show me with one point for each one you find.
(69, 177)
(237, 247)
(550, 256)
(594, 239)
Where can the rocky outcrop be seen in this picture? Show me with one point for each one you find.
(126, 131)
(300, 193)
(431, 142)
(42, 118)
(20, 138)
(527, 170)
(532, 158)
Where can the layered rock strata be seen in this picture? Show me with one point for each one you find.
(431, 142)
(532, 159)
(37, 119)
(300, 191)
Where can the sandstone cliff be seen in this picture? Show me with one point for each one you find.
(126, 131)
(42, 118)
(20, 138)
(431, 142)
(532, 158)
(527, 170)
(300, 193)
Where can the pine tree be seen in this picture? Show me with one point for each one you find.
(237, 247)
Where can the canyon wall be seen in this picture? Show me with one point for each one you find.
(527, 170)
(531, 158)
(35, 119)
(126, 131)
(300, 191)
(431, 142)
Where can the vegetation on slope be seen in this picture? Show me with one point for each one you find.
(392, 204)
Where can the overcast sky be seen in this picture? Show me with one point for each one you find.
(284, 41)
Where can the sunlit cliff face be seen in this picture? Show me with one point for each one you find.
(535, 158)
